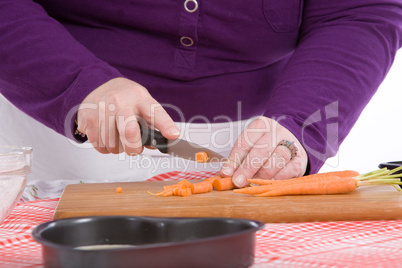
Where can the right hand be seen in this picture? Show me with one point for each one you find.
(109, 117)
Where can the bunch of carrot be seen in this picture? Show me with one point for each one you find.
(186, 188)
(337, 182)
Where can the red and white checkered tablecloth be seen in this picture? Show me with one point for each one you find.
(312, 244)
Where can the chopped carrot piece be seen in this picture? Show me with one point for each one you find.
(201, 157)
(119, 190)
(201, 187)
(185, 182)
(176, 191)
(184, 192)
(169, 192)
(157, 194)
(212, 179)
(167, 187)
(223, 184)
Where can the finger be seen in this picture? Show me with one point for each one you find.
(247, 139)
(88, 124)
(129, 132)
(279, 158)
(253, 161)
(295, 168)
(157, 117)
(94, 139)
(113, 143)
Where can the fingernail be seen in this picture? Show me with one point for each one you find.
(174, 131)
(240, 180)
(227, 171)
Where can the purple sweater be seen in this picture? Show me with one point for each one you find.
(312, 65)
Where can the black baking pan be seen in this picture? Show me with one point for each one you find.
(157, 242)
(392, 165)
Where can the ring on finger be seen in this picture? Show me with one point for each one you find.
(291, 146)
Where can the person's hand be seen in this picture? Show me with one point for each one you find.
(109, 117)
(256, 154)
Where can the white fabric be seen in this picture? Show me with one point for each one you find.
(58, 161)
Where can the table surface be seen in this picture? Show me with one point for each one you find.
(311, 244)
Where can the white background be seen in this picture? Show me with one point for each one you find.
(377, 135)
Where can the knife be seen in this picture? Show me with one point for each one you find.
(177, 147)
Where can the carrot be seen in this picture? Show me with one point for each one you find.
(212, 179)
(283, 183)
(176, 191)
(119, 190)
(201, 157)
(184, 192)
(223, 184)
(342, 174)
(262, 181)
(254, 190)
(168, 192)
(333, 185)
(173, 191)
(173, 186)
(201, 187)
(185, 182)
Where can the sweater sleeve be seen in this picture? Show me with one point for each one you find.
(44, 71)
(344, 52)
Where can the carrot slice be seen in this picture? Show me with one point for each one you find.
(201, 187)
(223, 184)
(185, 183)
(184, 192)
(176, 191)
(168, 192)
(212, 179)
(167, 187)
(201, 157)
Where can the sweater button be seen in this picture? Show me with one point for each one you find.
(186, 41)
(190, 5)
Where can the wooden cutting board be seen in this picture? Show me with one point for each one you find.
(366, 203)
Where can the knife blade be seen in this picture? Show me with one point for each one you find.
(177, 147)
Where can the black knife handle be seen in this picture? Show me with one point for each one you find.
(152, 137)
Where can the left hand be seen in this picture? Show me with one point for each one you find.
(256, 154)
